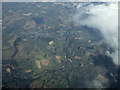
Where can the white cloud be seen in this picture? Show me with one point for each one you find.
(103, 17)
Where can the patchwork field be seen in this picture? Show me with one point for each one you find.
(44, 48)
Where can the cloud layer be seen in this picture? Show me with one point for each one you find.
(60, 1)
(103, 17)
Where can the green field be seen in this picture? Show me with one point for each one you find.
(44, 48)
